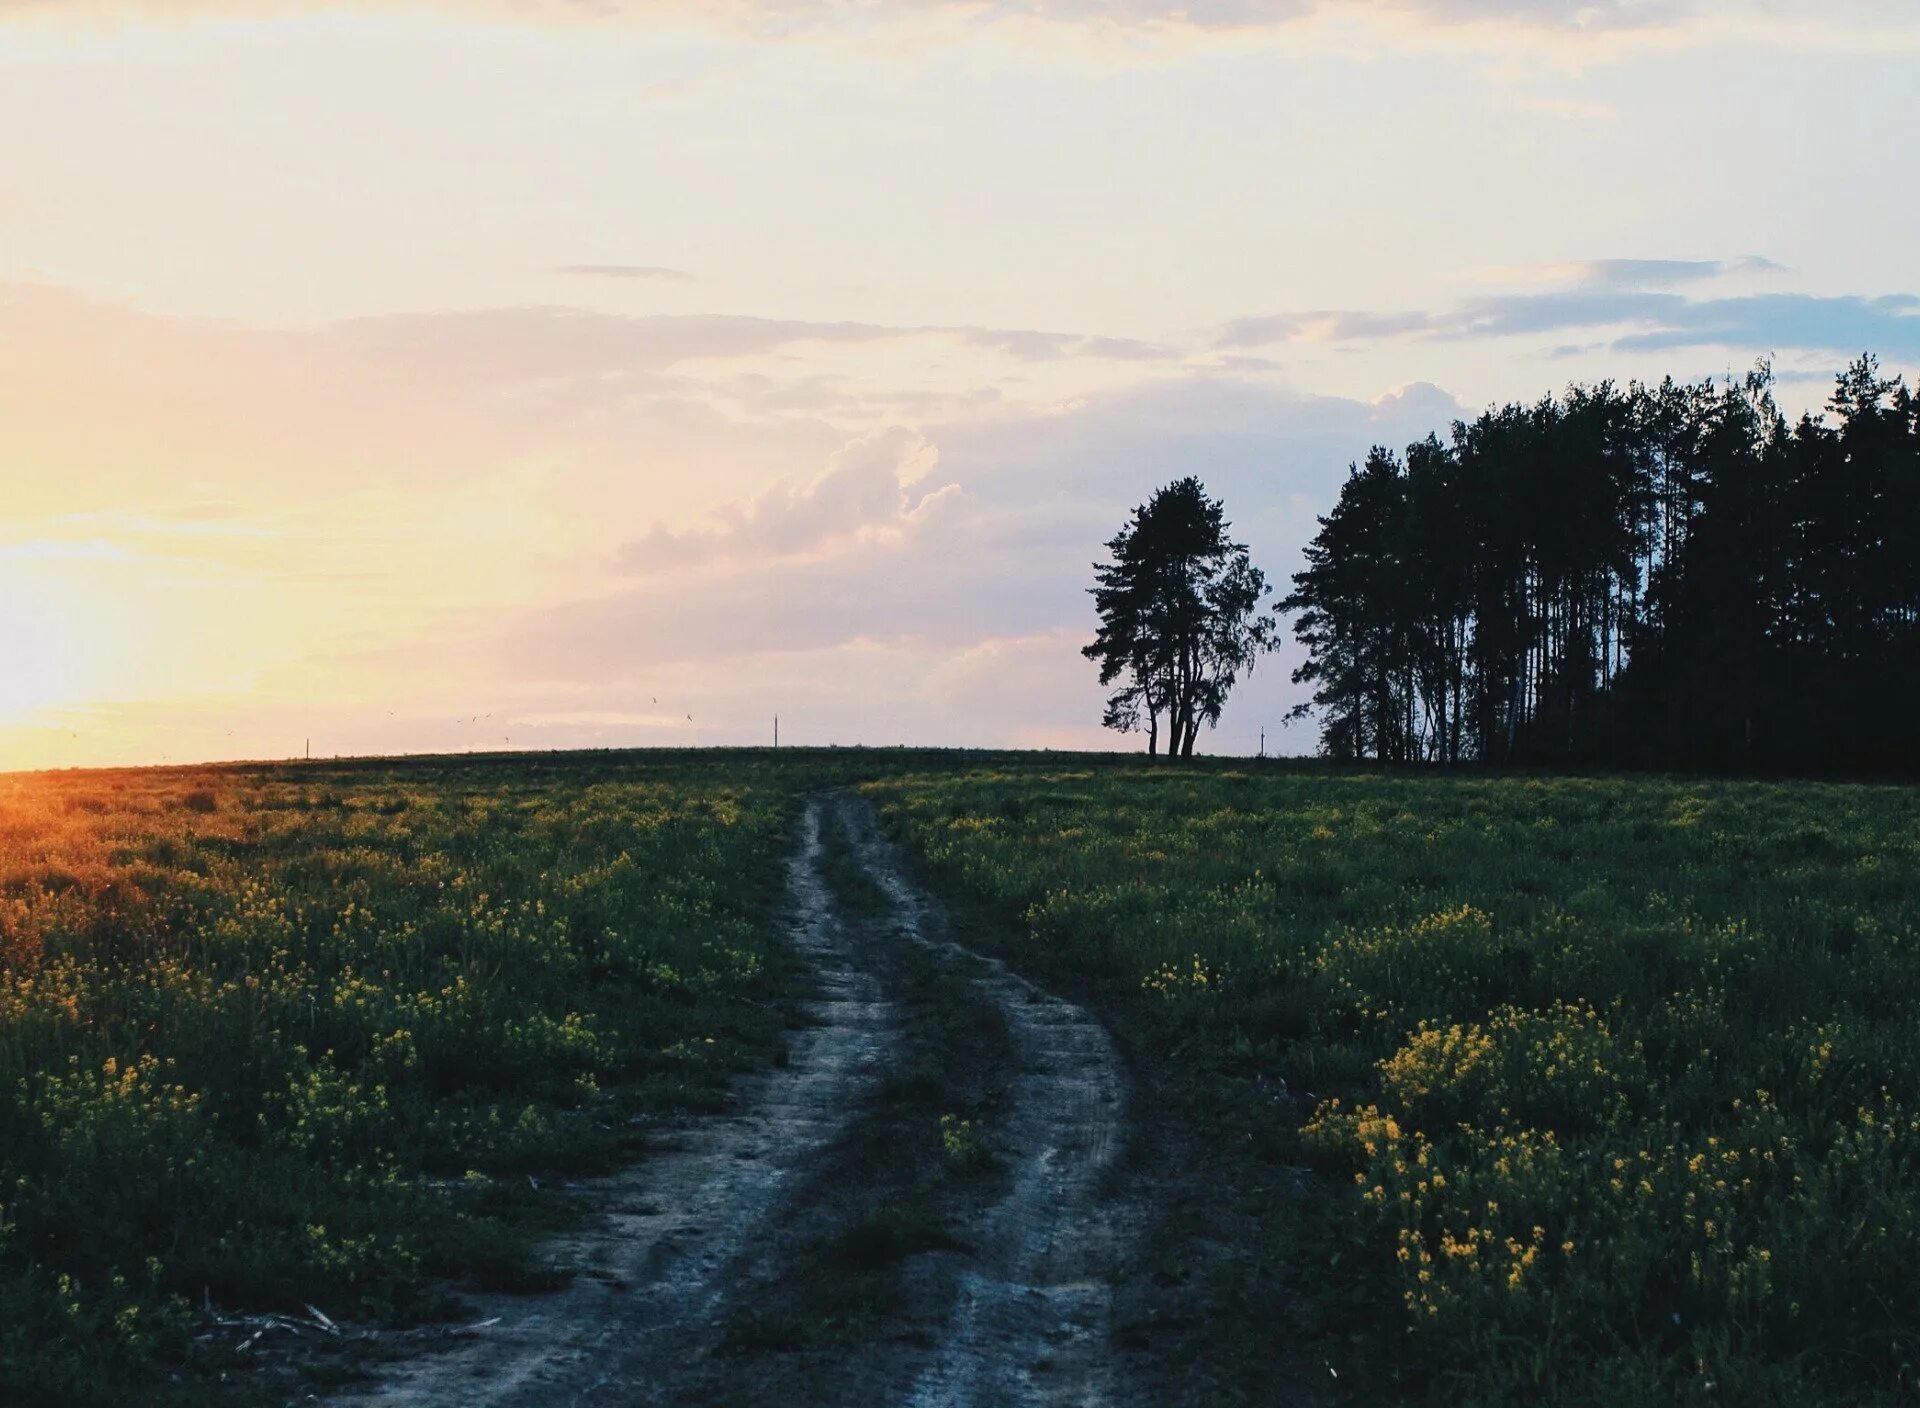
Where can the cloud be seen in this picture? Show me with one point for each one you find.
(965, 628)
(1888, 325)
(1610, 296)
(1661, 273)
(887, 591)
(104, 407)
(1007, 558)
(1047, 346)
(957, 19)
(523, 501)
(434, 515)
(1325, 325)
(1023, 344)
(1632, 273)
(1576, 14)
(548, 342)
(874, 489)
(1561, 17)
(625, 271)
(1123, 349)
(1417, 400)
(1591, 292)
(437, 463)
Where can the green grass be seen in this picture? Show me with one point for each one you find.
(1612, 1085)
(271, 1037)
(1615, 1083)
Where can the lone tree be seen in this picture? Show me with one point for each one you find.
(1179, 617)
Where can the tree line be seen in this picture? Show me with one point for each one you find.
(1673, 575)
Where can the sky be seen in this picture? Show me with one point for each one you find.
(400, 377)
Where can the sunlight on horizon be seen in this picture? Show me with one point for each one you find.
(58, 649)
(630, 379)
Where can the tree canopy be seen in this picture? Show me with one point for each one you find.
(1179, 617)
(1671, 575)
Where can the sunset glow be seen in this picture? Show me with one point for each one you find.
(482, 375)
(38, 649)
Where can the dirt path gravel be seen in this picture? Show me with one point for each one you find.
(677, 1231)
(1031, 1325)
(1014, 1310)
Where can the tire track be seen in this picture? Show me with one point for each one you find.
(683, 1243)
(1032, 1317)
(678, 1231)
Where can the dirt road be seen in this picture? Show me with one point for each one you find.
(1031, 1323)
(831, 1204)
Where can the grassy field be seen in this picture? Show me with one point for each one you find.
(1494, 1089)
(1614, 1085)
(271, 1037)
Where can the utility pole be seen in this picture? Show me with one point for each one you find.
(309, 750)
(1263, 740)
(776, 730)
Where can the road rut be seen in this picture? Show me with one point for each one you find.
(680, 1229)
(683, 1243)
(1031, 1321)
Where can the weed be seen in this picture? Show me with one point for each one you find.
(1619, 1079)
(256, 1035)
(964, 1143)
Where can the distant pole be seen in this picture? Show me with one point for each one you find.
(776, 730)
(1263, 740)
(309, 750)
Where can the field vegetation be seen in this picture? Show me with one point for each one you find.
(271, 1038)
(1613, 1085)
(1495, 1089)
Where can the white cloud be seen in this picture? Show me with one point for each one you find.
(646, 272)
(875, 489)
(1625, 299)
(967, 629)
(1634, 273)
(961, 19)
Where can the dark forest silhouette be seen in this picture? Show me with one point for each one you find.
(1672, 575)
